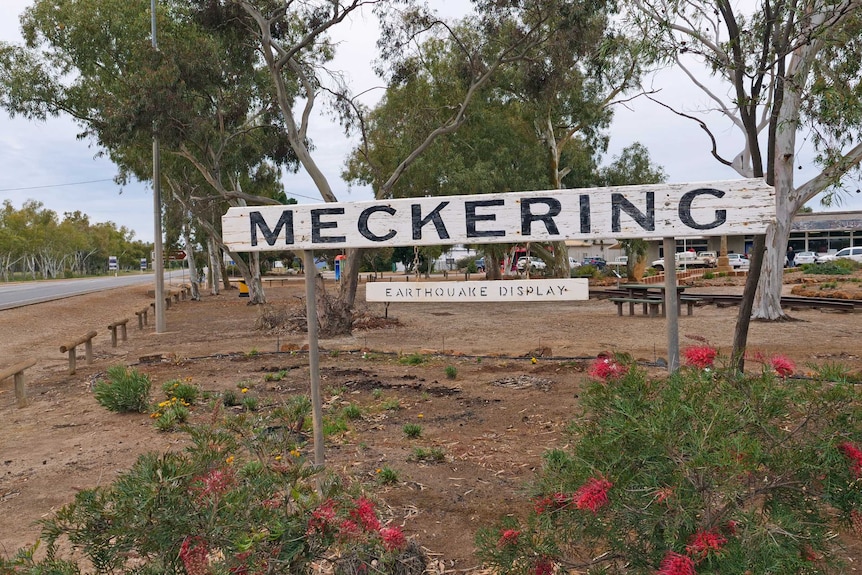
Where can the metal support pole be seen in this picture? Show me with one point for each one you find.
(313, 355)
(671, 304)
(158, 251)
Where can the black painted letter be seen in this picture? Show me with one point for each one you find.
(528, 217)
(363, 223)
(419, 221)
(644, 220)
(472, 217)
(685, 209)
(317, 225)
(257, 222)
(585, 214)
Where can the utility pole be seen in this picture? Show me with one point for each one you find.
(158, 251)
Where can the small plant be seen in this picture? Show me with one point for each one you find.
(229, 398)
(294, 412)
(387, 476)
(125, 390)
(352, 411)
(430, 454)
(335, 426)
(333, 353)
(253, 353)
(412, 430)
(250, 403)
(451, 372)
(708, 275)
(412, 359)
(377, 393)
(391, 405)
(181, 389)
(277, 376)
(170, 413)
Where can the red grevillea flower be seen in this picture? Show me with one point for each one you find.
(702, 543)
(676, 564)
(854, 455)
(544, 566)
(509, 537)
(605, 368)
(553, 502)
(193, 553)
(322, 517)
(782, 365)
(593, 494)
(215, 482)
(365, 515)
(393, 538)
(700, 356)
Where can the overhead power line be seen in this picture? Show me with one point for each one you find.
(55, 185)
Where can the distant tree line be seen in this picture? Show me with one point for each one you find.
(36, 243)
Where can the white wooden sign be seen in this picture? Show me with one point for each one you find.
(537, 290)
(654, 211)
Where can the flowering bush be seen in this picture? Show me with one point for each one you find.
(607, 367)
(701, 356)
(124, 390)
(236, 502)
(688, 475)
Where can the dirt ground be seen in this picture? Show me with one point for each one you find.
(493, 420)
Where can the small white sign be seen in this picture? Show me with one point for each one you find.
(485, 291)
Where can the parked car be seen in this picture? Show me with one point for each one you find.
(596, 262)
(480, 264)
(854, 253)
(573, 263)
(738, 261)
(619, 262)
(710, 258)
(805, 258)
(685, 260)
(535, 264)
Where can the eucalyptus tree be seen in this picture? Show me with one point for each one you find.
(202, 90)
(785, 70)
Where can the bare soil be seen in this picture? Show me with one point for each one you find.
(493, 420)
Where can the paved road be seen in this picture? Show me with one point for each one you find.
(28, 293)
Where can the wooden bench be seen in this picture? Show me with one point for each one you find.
(70, 347)
(650, 305)
(142, 317)
(690, 302)
(167, 303)
(119, 325)
(17, 371)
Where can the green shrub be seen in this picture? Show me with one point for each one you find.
(217, 507)
(184, 390)
(412, 359)
(387, 476)
(451, 372)
(841, 266)
(432, 454)
(412, 430)
(170, 414)
(352, 411)
(729, 474)
(229, 398)
(125, 390)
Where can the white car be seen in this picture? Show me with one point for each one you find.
(738, 261)
(854, 253)
(535, 264)
(805, 258)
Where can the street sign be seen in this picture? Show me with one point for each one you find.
(540, 290)
(177, 255)
(113, 263)
(143, 264)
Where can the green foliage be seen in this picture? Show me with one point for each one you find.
(229, 398)
(183, 390)
(250, 402)
(428, 454)
(412, 430)
(412, 359)
(334, 426)
(125, 390)
(277, 376)
(352, 411)
(391, 405)
(587, 271)
(387, 476)
(740, 474)
(451, 372)
(221, 506)
(169, 414)
(838, 267)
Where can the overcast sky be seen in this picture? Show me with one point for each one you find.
(44, 161)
